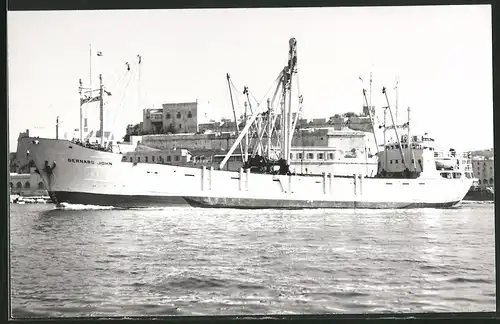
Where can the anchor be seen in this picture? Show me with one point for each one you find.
(49, 170)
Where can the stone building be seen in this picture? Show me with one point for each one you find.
(172, 118)
(27, 184)
(484, 171)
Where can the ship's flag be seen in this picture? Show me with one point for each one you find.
(99, 53)
(89, 99)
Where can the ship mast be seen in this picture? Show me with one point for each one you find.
(385, 139)
(269, 127)
(283, 80)
(395, 129)
(57, 127)
(246, 135)
(101, 109)
(287, 89)
(81, 110)
(371, 120)
(234, 111)
(85, 121)
(370, 104)
(397, 97)
(139, 59)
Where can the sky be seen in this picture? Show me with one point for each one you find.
(442, 56)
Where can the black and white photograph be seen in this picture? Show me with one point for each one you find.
(251, 161)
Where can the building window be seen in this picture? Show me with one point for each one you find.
(153, 158)
(138, 159)
(299, 156)
(27, 185)
(330, 155)
(40, 186)
(491, 180)
(396, 161)
(190, 115)
(11, 185)
(168, 158)
(321, 156)
(167, 116)
(180, 125)
(485, 181)
(19, 185)
(479, 181)
(146, 159)
(310, 156)
(291, 156)
(131, 159)
(176, 158)
(178, 114)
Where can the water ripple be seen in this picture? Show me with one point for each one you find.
(80, 261)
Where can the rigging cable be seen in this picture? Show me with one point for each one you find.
(122, 97)
(120, 105)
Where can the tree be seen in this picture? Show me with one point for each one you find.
(350, 114)
(136, 129)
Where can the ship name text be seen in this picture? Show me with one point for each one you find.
(89, 162)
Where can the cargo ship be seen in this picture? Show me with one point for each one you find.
(410, 173)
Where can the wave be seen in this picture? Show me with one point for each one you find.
(67, 206)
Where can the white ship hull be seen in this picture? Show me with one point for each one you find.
(86, 176)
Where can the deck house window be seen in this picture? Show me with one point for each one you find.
(190, 115)
(320, 156)
(131, 159)
(291, 156)
(178, 114)
(168, 158)
(153, 158)
(138, 159)
(330, 156)
(167, 116)
(390, 161)
(299, 156)
(27, 185)
(146, 159)
(176, 158)
(310, 156)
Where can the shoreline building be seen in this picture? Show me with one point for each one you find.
(484, 170)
